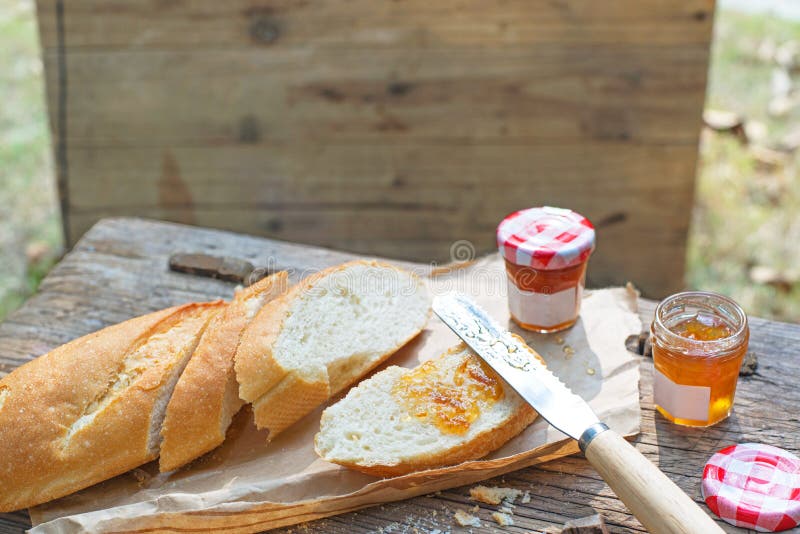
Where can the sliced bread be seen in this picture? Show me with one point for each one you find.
(324, 334)
(447, 410)
(93, 408)
(207, 395)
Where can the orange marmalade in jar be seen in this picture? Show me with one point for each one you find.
(545, 250)
(699, 341)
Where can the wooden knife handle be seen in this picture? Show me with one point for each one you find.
(660, 505)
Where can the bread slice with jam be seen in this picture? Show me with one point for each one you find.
(448, 410)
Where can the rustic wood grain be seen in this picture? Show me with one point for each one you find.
(152, 24)
(119, 270)
(398, 127)
(470, 95)
(437, 193)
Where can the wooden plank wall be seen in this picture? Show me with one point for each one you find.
(384, 127)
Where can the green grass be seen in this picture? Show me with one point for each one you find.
(29, 218)
(746, 215)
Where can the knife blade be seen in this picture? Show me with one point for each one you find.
(554, 401)
(661, 506)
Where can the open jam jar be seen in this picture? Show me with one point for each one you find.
(545, 250)
(699, 340)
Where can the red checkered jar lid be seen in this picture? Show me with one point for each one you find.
(545, 238)
(754, 486)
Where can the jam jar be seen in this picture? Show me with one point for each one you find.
(699, 341)
(545, 251)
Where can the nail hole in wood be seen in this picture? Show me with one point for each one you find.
(264, 30)
(249, 130)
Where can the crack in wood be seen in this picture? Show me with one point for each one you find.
(62, 166)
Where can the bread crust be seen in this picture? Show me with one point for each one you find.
(206, 396)
(46, 396)
(255, 368)
(479, 446)
(261, 377)
(288, 402)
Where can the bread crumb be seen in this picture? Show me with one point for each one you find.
(507, 508)
(526, 497)
(494, 495)
(504, 520)
(141, 476)
(466, 520)
(476, 509)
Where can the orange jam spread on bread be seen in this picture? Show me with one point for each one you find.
(450, 397)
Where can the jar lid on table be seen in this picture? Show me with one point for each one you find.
(753, 485)
(546, 238)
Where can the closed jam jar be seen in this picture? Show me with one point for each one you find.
(545, 250)
(699, 341)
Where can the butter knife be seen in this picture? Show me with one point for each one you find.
(660, 505)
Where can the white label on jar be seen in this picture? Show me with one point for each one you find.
(681, 401)
(543, 309)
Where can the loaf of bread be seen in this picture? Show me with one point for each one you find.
(207, 395)
(164, 384)
(447, 410)
(93, 408)
(324, 334)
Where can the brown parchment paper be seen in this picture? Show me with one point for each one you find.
(247, 486)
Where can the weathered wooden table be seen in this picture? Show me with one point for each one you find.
(119, 270)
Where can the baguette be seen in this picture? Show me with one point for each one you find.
(448, 410)
(92, 409)
(207, 396)
(323, 334)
